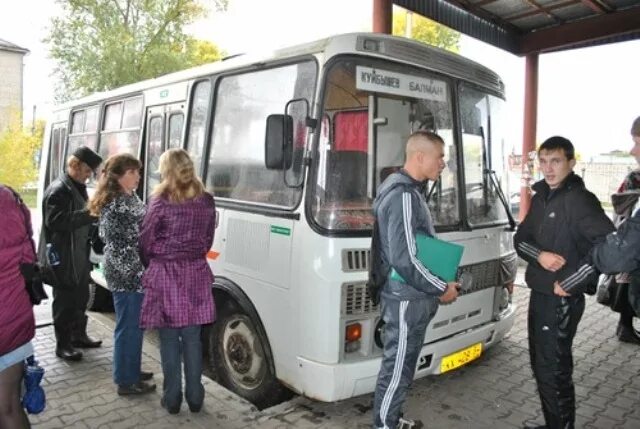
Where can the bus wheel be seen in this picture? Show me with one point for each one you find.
(239, 360)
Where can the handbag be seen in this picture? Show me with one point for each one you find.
(607, 289)
(33, 282)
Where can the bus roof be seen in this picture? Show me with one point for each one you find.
(371, 44)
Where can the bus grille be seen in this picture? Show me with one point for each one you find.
(355, 260)
(485, 275)
(355, 299)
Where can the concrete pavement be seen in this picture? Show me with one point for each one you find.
(496, 391)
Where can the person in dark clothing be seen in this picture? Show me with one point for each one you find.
(66, 225)
(631, 184)
(407, 308)
(564, 222)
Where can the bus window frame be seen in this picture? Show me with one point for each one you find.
(452, 82)
(141, 127)
(468, 226)
(82, 108)
(186, 127)
(248, 206)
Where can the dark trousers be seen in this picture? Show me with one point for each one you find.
(404, 330)
(553, 322)
(68, 308)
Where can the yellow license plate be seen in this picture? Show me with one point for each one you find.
(462, 357)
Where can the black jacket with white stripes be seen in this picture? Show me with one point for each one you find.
(567, 221)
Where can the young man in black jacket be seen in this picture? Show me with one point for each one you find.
(564, 222)
(66, 225)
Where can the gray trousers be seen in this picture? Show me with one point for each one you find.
(404, 330)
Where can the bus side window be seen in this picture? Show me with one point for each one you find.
(121, 127)
(54, 154)
(198, 122)
(84, 129)
(176, 121)
(237, 168)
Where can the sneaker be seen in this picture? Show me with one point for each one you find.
(171, 410)
(405, 423)
(139, 388)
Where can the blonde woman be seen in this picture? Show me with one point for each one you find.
(176, 234)
(121, 211)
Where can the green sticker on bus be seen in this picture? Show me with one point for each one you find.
(280, 230)
(164, 93)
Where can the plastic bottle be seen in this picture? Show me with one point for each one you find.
(52, 255)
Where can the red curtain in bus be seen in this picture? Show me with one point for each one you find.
(351, 131)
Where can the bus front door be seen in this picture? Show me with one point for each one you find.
(164, 131)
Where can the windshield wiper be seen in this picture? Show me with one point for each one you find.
(494, 179)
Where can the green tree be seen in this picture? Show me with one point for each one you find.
(425, 30)
(102, 44)
(19, 147)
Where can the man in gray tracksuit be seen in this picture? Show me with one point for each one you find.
(401, 211)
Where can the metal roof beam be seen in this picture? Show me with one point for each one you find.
(550, 8)
(597, 6)
(462, 17)
(588, 29)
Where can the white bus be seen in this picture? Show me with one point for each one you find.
(293, 145)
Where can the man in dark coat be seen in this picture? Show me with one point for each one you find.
(563, 224)
(66, 225)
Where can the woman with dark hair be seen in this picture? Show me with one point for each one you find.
(121, 211)
(16, 312)
(176, 234)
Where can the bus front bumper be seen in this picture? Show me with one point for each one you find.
(328, 383)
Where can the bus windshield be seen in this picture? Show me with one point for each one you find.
(369, 112)
(481, 116)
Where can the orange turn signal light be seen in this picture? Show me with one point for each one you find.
(353, 332)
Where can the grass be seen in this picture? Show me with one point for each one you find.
(29, 196)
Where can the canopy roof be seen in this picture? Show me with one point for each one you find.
(529, 26)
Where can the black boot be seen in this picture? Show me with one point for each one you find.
(627, 334)
(80, 337)
(64, 349)
(67, 352)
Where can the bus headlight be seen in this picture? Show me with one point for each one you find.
(505, 298)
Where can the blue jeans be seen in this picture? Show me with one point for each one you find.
(176, 345)
(127, 338)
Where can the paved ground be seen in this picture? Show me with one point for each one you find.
(494, 392)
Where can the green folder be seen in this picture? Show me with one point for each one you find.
(440, 257)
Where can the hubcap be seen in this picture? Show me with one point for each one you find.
(243, 353)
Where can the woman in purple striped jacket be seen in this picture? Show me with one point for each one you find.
(177, 231)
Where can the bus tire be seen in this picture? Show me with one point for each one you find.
(100, 299)
(236, 353)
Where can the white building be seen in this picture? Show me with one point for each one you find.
(11, 83)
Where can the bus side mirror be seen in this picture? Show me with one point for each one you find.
(278, 145)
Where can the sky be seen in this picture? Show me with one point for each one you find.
(589, 95)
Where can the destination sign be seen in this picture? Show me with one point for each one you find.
(377, 80)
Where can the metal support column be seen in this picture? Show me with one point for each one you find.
(529, 133)
(382, 16)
